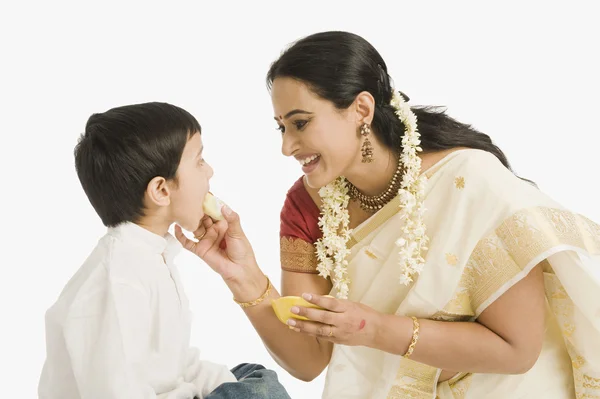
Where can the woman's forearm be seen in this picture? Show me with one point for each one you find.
(303, 356)
(463, 346)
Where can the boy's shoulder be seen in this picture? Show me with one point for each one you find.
(126, 263)
(112, 261)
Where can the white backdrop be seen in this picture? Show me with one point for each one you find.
(525, 74)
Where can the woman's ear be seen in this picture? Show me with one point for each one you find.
(364, 106)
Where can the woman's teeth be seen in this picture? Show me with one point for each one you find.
(308, 160)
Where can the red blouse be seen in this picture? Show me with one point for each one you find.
(299, 230)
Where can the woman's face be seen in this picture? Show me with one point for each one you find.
(325, 140)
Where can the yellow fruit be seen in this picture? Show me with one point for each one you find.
(212, 207)
(282, 307)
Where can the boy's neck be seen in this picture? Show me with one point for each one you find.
(154, 224)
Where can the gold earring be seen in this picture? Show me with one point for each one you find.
(367, 148)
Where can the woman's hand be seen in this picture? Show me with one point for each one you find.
(342, 322)
(222, 245)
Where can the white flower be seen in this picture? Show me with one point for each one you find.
(411, 196)
(405, 279)
(332, 251)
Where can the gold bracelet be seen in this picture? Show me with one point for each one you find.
(415, 337)
(259, 300)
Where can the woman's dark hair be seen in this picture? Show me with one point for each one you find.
(338, 66)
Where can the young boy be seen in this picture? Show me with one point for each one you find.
(121, 326)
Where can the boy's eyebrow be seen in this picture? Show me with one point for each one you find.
(200, 152)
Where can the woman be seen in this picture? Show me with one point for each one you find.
(451, 277)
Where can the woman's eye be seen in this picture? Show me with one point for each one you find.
(300, 124)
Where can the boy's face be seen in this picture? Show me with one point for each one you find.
(193, 176)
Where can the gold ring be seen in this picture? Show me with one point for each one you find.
(201, 236)
(330, 331)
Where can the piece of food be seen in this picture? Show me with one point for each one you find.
(283, 307)
(212, 207)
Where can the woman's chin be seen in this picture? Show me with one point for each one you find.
(316, 181)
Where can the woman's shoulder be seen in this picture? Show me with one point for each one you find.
(478, 164)
(300, 214)
(298, 185)
(303, 196)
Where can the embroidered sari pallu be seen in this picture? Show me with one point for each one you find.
(488, 229)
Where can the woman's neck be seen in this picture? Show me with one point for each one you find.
(374, 178)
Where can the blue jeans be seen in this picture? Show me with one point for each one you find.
(254, 381)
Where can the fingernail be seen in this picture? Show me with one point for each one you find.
(226, 210)
(295, 310)
(291, 322)
(308, 297)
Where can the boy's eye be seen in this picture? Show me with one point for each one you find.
(281, 128)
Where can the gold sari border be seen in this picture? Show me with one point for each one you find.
(374, 222)
(521, 275)
(520, 243)
(507, 255)
(414, 380)
(298, 255)
(460, 384)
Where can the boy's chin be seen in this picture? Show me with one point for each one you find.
(194, 226)
(199, 223)
(190, 225)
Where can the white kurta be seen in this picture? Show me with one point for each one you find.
(121, 326)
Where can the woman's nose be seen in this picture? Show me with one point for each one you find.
(289, 145)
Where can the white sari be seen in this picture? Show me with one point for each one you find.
(488, 229)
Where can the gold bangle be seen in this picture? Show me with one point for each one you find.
(259, 300)
(415, 337)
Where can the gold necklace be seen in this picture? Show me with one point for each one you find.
(376, 202)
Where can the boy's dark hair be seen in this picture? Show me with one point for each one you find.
(123, 149)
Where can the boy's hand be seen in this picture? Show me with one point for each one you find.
(222, 245)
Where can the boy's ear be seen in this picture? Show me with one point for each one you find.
(158, 192)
